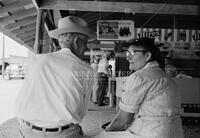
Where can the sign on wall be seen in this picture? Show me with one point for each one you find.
(115, 29)
(187, 50)
(184, 43)
(168, 35)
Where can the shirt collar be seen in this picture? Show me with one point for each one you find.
(151, 64)
(63, 50)
(68, 51)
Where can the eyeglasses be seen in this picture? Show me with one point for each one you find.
(133, 52)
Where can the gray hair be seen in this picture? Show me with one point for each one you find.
(66, 40)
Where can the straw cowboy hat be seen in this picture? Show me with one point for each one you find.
(72, 24)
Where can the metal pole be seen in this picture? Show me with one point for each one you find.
(174, 22)
(3, 60)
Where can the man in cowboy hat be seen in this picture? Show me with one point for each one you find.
(56, 92)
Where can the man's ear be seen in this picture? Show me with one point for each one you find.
(148, 56)
(76, 42)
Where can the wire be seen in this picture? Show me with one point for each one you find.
(153, 15)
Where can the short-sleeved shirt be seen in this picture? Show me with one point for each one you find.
(94, 66)
(103, 66)
(154, 98)
(56, 90)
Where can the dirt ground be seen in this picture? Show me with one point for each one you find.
(8, 93)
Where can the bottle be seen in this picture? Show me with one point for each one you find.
(119, 74)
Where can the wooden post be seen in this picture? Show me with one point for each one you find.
(41, 15)
(174, 22)
(91, 56)
(49, 25)
(3, 58)
(51, 45)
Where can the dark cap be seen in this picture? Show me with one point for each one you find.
(145, 41)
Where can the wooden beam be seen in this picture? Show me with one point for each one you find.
(50, 25)
(45, 42)
(57, 16)
(24, 28)
(18, 15)
(41, 15)
(51, 45)
(36, 3)
(133, 7)
(21, 23)
(28, 38)
(31, 40)
(14, 5)
(31, 43)
(46, 37)
(46, 48)
(30, 47)
(31, 32)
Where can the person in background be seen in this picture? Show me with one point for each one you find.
(170, 69)
(109, 71)
(95, 64)
(182, 74)
(150, 105)
(102, 78)
(56, 92)
(104, 62)
(94, 95)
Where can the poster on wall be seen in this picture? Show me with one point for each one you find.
(197, 46)
(168, 35)
(186, 54)
(115, 30)
(183, 50)
(196, 38)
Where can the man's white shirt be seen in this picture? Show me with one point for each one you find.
(56, 91)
